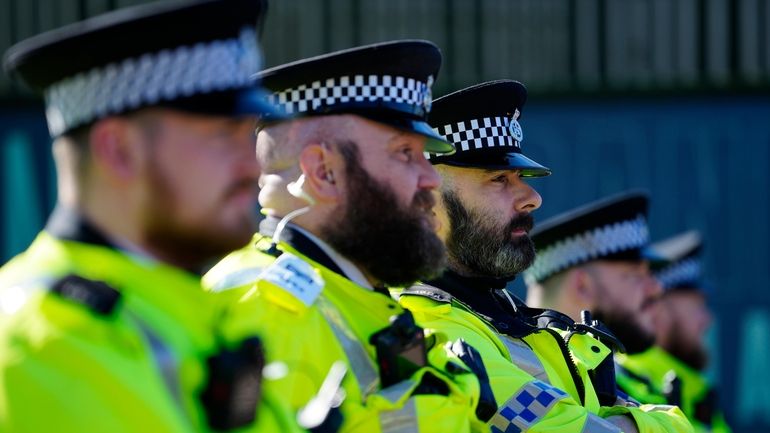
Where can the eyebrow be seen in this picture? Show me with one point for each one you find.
(493, 171)
(396, 137)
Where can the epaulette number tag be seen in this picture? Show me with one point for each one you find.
(296, 276)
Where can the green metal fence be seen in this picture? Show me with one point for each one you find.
(554, 46)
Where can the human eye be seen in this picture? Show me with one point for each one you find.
(500, 178)
(406, 153)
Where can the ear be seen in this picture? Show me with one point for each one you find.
(113, 149)
(317, 164)
(583, 287)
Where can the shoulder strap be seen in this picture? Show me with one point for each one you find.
(428, 291)
(97, 296)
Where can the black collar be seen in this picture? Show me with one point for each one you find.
(68, 224)
(486, 297)
(300, 242)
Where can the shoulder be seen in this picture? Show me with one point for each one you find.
(427, 291)
(288, 282)
(239, 268)
(46, 294)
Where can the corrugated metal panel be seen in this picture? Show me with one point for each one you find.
(556, 46)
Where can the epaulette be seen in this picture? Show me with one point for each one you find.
(237, 278)
(430, 292)
(295, 277)
(97, 296)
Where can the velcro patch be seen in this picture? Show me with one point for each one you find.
(96, 295)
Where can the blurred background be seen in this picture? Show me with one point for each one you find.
(672, 96)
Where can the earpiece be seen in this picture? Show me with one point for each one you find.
(329, 176)
(295, 189)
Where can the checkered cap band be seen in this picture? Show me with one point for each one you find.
(526, 408)
(480, 133)
(354, 88)
(681, 272)
(591, 245)
(154, 77)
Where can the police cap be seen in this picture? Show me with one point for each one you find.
(198, 56)
(681, 267)
(387, 82)
(614, 228)
(482, 122)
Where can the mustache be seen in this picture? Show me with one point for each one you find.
(523, 221)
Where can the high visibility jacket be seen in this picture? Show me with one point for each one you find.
(74, 357)
(311, 317)
(687, 386)
(541, 383)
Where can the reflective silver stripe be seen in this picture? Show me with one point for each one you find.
(239, 278)
(396, 392)
(524, 357)
(403, 420)
(595, 424)
(165, 361)
(531, 403)
(630, 402)
(14, 297)
(658, 407)
(360, 362)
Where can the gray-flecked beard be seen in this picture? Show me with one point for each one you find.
(484, 248)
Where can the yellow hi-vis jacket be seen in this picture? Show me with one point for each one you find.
(76, 361)
(531, 377)
(694, 394)
(310, 317)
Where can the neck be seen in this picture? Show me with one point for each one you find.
(476, 282)
(474, 279)
(113, 213)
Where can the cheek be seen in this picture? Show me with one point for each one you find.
(443, 226)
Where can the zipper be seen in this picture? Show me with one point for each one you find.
(568, 359)
(572, 366)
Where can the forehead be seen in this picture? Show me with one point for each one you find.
(471, 174)
(621, 265)
(369, 133)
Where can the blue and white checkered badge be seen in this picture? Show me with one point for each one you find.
(427, 99)
(515, 128)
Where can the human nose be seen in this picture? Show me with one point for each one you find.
(429, 177)
(527, 198)
(653, 288)
(244, 155)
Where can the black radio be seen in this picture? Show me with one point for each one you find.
(400, 349)
(235, 386)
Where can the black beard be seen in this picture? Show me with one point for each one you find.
(373, 230)
(633, 337)
(483, 248)
(694, 355)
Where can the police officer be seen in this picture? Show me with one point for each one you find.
(674, 365)
(348, 196)
(103, 323)
(596, 258)
(540, 378)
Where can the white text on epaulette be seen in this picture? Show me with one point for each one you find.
(296, 276)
